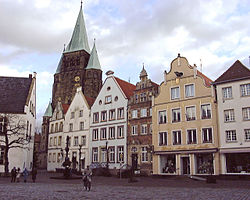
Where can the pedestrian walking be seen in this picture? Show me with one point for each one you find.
(18, 174)
(34, 173)
(13, 174)
(25, 175)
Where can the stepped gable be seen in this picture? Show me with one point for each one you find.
(237, 71)
(126, 87)
(13, 93)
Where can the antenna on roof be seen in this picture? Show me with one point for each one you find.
(201, 65)
(129, 79)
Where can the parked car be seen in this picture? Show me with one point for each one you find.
(124, 171)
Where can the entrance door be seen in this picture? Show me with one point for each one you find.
(185, 165)
(134, 161)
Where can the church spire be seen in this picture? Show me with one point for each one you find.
(79, 39)
(93, 59)
(143, 74)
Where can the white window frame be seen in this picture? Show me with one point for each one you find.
(187, 91)
(95, 134)
(227, 93)
(104, 116)
(175, 95)
(120, 131)
(247, 135)
(229, 115)
(144, 154)
(134, 130)
(193, 112)
(120, 154)
(112, 133)
(70, 127)
(246, 113)
(208, 107)
(96, 117)
(144, 128)
(203, 141)
(112, 114)
(192, 136)
(83, 140)
(81, 113)
(178, 114)
(81, 128)
(163, 138)
(95, 154)
(162, 119)
(231, 136)
(112, 154)
(143, 112)
(76, 140)
(108, 99)
(120, 113)
(245, 90)
(178, 137)
(103, 132)
(103, 155)
(134, 114)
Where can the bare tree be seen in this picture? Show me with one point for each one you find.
(14, 133)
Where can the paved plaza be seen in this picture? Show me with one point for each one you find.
(114, 188)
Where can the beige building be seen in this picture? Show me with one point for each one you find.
(185, 136)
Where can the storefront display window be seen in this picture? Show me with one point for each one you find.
(238, 162)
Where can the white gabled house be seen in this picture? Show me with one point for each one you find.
(56, 138)
(108, 125)
(77, 128)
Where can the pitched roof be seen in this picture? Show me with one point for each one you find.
(79, 39)
(207, 80)
(65, 108)
(48, 112)
(13, 93)
(237, 71)
(58, 69)
(126, 87)
(90, 100)
(93, 60)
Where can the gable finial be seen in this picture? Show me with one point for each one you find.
(64, 47)
(81, 3)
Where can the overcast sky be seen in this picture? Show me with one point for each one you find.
(128, 33)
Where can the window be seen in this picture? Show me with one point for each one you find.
(206, 111)
(120, 154)
(191, 136)
(80, 113)
(56, 127)
(50, 141)
(71, 127)
(2, 155)
(61, 127)
(144, 112)
(134, 114)
(83, 142)
(176, 115)
(108, 99)
(134, 130)
(175, 93)
(136, 98)
(163, 138)
(190, 113)
(69, 141)
(96, 117)
(104, 116)
(1, 125)
(231, 136)
(95, 134)
(120, 113)
(111, 154)
(59, 140)
(54, 157)
(112, 133)
(207, 135)
(72, 115)
(246, 113)
(163, 117)
(144, 129)
(245, 90)
(58, 157)
(95, 154)
(150, 128)
(51, 128)
(247, 134)
(120, 131)
(103, 133)
(227, 93)
(176, 137)
(189, 90)
(49, 157)
(229, 115)
(76, 141)
(103, 155)
(81, 126)
(112, 114)
(55, 141)
(150, 112)
(143, 97)
(144, 154)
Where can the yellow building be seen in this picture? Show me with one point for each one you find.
(185, 136)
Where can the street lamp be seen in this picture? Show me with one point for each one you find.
(107, 152)
(80, 154)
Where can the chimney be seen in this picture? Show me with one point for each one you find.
(30, 76)
(34, 74)
(195, 70)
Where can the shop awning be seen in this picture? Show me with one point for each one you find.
(236, 150)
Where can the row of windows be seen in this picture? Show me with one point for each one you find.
(81, 126)
(142, 97)
(207, 137)
(144, 129)
(54, 128)
(72, 114)
(109, 133)
(143, 113)
(57, 141)
(231, 135)
(112, 115)
(189, 92)
(190, 114)
(114, 156)
(227, 92)
(58, 157)
(229, 115)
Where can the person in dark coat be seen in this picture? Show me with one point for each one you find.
(25, 175)
(13, 174)
(34, 173)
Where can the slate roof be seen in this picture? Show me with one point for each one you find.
(126, 87)
(90, 100)
(48, 112)
(13, 94)
(93, 60)
(237, 71)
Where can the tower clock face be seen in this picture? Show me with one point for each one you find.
(77, 78)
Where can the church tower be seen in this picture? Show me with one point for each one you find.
(72, 67)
